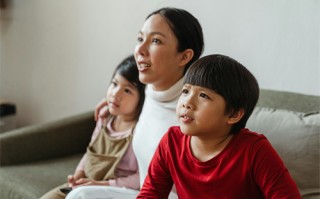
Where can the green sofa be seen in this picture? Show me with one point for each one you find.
(37, 158)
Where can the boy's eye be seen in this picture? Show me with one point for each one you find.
(114, 83)
(185, 91)
(204, 96)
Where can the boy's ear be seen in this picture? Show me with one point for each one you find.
(235, 116)
(186, 57)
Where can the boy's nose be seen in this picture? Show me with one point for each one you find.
(188, 104)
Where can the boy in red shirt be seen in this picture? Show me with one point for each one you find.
(211, 154)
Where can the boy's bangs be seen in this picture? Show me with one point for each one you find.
(202, 76)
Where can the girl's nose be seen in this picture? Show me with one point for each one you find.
(116, 94)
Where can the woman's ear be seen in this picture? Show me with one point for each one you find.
(186, 56)
(235, 116)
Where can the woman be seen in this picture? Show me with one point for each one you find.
(169, 42)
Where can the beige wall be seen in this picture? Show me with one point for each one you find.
(57, 56)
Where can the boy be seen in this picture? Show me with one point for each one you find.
(211, 154)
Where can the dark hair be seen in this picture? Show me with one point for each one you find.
(129, 70)
(231, 80)
(186, 28)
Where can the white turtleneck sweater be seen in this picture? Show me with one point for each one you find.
(158, 114)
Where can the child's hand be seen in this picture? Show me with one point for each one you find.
(87, 182)
(98, 112)
(73, 178)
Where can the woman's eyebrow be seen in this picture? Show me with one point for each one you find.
(154, 33)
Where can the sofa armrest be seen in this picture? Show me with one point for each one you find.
(50, 140)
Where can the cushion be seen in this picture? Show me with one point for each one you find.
(32, 180)
(295, 136)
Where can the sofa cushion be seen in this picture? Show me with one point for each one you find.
(295, 136)
(32, 180)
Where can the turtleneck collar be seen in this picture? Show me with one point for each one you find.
(166, 95)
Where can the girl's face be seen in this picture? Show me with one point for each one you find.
(159, 62)
(201, 112)
(123, 97)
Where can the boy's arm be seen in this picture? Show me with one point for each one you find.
(271, 174)
(158, 182)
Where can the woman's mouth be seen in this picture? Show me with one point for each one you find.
(143, 66)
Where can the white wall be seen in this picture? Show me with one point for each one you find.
(57, 56)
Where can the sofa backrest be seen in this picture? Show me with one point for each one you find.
(291, 122)
(289, 101)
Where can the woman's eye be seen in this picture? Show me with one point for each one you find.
(156, 41)
(140, 39)
(204, 95)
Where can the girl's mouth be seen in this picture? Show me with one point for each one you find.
(112, 104)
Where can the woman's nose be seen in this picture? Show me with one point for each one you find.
(142, 49)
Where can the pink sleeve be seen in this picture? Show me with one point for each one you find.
(131, 182)
(93, 137)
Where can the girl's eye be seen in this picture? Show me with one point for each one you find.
(204, 96)
(156, 41)
(128, 91)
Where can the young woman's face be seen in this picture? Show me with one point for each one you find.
(201, 112)
(156, 54)
(123, 97)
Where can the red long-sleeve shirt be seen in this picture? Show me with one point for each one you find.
(248, 167)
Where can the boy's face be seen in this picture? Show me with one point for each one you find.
(201, 112)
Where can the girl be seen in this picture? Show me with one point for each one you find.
(109, 159)
(169, 41)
